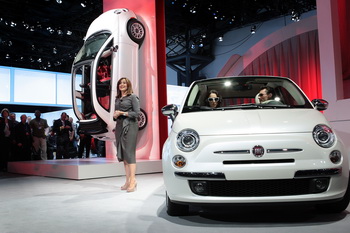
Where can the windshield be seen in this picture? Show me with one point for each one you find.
(91, 46)
(244, 93)
(82, 76)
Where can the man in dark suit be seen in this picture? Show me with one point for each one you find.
(23, 140)
(61, 128)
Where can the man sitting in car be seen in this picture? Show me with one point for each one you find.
(267, 96)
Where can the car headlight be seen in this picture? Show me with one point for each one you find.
(187, 140)
(323, 136)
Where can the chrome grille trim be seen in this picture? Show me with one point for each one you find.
(286, 150)
(232, 152)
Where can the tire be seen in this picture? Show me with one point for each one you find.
(174, 209)
(336, 207)
(142, 120)
(136, 31)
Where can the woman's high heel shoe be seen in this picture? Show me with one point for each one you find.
(125, 186)
(132, 187)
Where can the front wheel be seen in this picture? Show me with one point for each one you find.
(136, 31)
(174, 209)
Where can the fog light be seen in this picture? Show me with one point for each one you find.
(199, 187)
(179, 161)
(320, 185)
(335, 156)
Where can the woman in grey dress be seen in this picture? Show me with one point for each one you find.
(127, 110)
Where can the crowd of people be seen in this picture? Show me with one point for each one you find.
(33, 139)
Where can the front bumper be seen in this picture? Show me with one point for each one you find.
(278, 177)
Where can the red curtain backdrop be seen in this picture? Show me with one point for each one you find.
(296, 58)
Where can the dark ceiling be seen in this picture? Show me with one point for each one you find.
(46, 34)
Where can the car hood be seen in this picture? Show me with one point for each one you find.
(250, 121)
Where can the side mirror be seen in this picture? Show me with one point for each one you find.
(320, 104)
(170, 111)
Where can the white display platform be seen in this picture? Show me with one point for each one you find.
(79, 169)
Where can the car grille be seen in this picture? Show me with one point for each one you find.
(260, 188)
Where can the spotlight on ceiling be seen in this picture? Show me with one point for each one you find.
(50, 29)
(69, 33)
(7, 56)
(253, 29)
(295, 16)
(59, 1)
(221, 38)
(57, 63)
(193, 10)
(83, 4)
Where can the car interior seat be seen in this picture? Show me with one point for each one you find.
(257, 101)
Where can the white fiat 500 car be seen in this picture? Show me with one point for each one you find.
(248, 151)
(110, 51)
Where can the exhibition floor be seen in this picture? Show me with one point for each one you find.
(41, 204)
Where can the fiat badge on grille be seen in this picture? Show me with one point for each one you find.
(258, 151)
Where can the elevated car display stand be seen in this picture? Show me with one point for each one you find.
(80, 169)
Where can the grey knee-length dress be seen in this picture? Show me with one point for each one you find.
(127, 128)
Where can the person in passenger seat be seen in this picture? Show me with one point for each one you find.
(213, 99)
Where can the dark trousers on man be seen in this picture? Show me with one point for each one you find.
(62, 143)
(85, 143)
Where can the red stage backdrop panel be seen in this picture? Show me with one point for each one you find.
(152, 74)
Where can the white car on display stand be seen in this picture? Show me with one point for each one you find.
(245, 150)
(110, 51)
